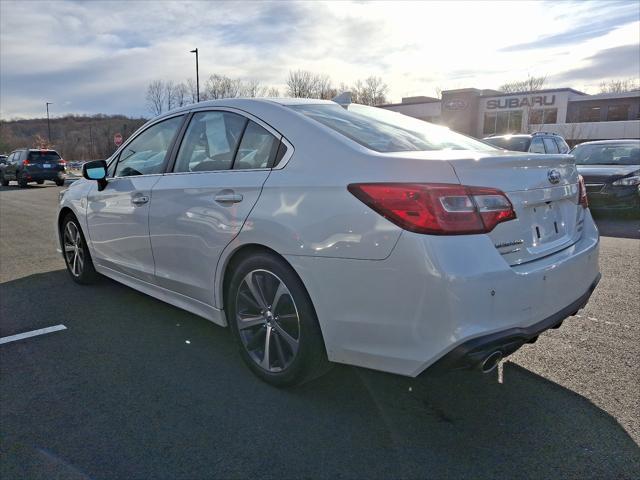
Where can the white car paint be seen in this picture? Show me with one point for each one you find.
(386, 298)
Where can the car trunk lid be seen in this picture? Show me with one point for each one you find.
(544, 192)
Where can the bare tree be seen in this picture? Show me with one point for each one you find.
(253, 88)
(169, 94)
(301, 84)
(221, 86)
(619, 85)
(181, 95)
(323, 88)
(156, 97)
(273, 92)
(530, 84)
(192, 90)
(371, 91)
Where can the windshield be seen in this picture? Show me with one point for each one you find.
(515, 144)
(386, 131)
(608, 154)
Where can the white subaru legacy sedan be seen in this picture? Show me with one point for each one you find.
(322, 233)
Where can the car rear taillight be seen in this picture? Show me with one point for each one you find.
(437, 208)
(582, 193)
(62, 162)
(25, 162)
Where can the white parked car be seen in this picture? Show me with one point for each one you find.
(324, 233)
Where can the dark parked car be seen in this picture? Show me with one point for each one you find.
(539, 142)
(33, 165)
(3, 159)
(611, 172)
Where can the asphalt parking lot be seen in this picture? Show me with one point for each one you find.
(135, 388)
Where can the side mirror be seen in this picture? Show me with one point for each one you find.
(96, 170)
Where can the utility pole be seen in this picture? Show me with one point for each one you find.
(195, 50)
(48, 124)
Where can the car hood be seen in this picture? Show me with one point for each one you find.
(604, 171)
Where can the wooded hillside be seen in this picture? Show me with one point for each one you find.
(74, 137)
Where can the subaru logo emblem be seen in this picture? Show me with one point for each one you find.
(553, 176)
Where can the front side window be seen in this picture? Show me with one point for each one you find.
(257, 149)
(386, 131)
(562, 145)
(211, 142)
(537, 146)
(146, 154)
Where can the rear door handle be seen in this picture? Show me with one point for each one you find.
(141, 200)
(228, 198)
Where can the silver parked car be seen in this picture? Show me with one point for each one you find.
(320, 232)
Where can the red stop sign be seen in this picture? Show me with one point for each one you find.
(117, 139)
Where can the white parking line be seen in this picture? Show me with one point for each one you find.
(32, 333)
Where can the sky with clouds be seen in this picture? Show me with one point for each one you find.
(98, 57)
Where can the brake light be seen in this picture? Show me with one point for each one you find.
(582, 194)
(437, 208)
(25, 162)
(62, 162)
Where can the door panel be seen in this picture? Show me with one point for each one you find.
(193, 217)
(118, 220)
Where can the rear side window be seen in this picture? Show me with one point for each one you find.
(562, 145)
(550, 146)
(257, 149)
(211, 142)
(43, 157)
(537, 146)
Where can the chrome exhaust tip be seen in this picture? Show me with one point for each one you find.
(491, 362)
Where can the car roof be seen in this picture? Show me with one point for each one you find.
(609, 142)
(241, 102)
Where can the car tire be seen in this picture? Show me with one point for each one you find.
(295, 348)
(22, 182)
(3, 181)
(59, 183)
(40, 182)
(78, 259)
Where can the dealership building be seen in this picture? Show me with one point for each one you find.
(575, 115)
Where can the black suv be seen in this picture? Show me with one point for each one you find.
(539, 142)
(33, 165)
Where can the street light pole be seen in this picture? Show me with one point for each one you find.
(197, 76)
(48, 124)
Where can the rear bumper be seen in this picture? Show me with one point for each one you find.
(433, 294)
(470, 354)
(47, 175)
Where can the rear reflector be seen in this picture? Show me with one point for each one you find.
(436, 208)
(582, 194)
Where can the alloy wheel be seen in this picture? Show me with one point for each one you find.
(267, 320)
(73, 249)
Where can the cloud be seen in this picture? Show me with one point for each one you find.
(90, 57)
(613, 18)
(616, 62)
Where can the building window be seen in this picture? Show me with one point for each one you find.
(617, 113)
(515, 121)
(589, 114)
(535, 116)
(538, 116)
(550, 115)
(489, 124)
(502, 123)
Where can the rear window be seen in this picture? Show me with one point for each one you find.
(43, 157)
(607, 154)
(515, 144)
(386, 131)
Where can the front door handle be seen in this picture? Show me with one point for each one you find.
(141, 200)
(228, 198)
